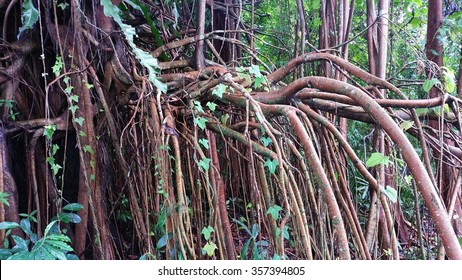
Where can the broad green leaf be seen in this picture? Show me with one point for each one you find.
(274, 211)
(49, 227)
(21, 244)
(4, 198)
(376, 159)
(25, 226)
(69, 218)
(73, 207)
(255, 231)
(206, 231)
(390, 192)
(276, 257)
(271, 164)
(245, 249)
(428, 84)
(145, 59)
(8, 225)
(29, 16)
(210, 248)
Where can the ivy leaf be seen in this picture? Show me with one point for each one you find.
(428, 84)
(200, 122)
(49, 131)
(204, 164)
(58, 66)
(258, 81)
(274, 211)
(212, 106)
(405, 125)
(266, 141)
(204, 142)
(89, 149)
(207, 231)
(29, 16)
(390, 192)
(376, 159)
(79, 120)
(198, 106)
(271, 164)
(219, 90)
(73, 108)
(56, 168)
(209, 248)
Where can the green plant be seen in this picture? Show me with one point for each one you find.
(259, 247)
(54, 244)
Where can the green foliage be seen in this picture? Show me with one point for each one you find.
(54, 245)
(266, 141)
(259, 248)
(274, 211)
(29, 16)
(4, 198)
(271, 164)
(390, 192)
(428, 84)
(9, 103)
(204, 164)
(49, 131)
(200, 121)
(146, 59)
(207, 231)
(219, 90)
(209, 248)
(376, 159)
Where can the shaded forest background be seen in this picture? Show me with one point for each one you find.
(227, 129)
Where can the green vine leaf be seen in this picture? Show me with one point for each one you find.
(4, 198)
(209, 248)
(405, 125)
(146, 59)
(428, 84)
(200, 122)
(266, 141)
(204, 142)
(212, 106)
(390, 192)
(58, 66)
(376, 159)
(204, 164)
(274, 211)
(207, 231)
(49, 131)
(271, 164)
(89, 149)
(79, 120)
(29, 16)
(219, 90)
